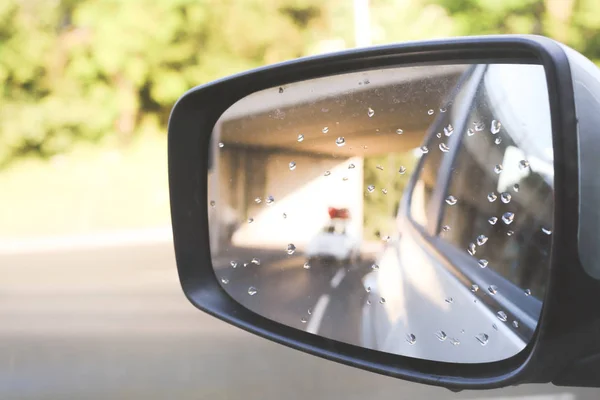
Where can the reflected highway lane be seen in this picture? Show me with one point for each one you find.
(326, 298)
(113, 323)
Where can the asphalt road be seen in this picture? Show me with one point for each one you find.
(113, 323)
(325, 299)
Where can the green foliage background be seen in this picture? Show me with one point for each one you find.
(109, 71)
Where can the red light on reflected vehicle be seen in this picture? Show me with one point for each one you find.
(341, 213)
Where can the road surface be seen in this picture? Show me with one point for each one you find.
(112, 322)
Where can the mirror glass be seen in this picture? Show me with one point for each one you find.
(406, 210)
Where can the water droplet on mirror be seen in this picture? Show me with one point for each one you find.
(399, 131)
(327, 173)
(371, 188)
(257, 200)
(481, 240)
(309, 311)
(438, 135)
(472, 249)
(379, 167)
(292, 165)
(498, 140)
(384, 191)
(370, 112)
(382, 301)
(508, 218)
(424, 149)
(245, 265)
(325, 129)
(291, 249)
(233, 264)
(284, 215)
(516, 187)
(212, 203)
(351, 166)
(340, 141)
(547, 231)
(368, 289)
(306, 265)
(441, 335)
(430, 112)
(479, 126)
(345, 178)
(498, 168)
(470, 132)
(270, 200)
(510, 233)
(495, 327)
(444, 148)
(280, 90)
(493, 289)
(474, 288)
(445, 228)
(493, 220)
(375, 267)
(368, 302)
(454, 341)
(515, 324)
(523, 164)
(449, 300)
(300, 137)
(443, 110)
(324, 110)
(527, 292)
(411, 339)
(492, 197)
(386, 238)
(451, 200)
(506, 197)
(402, 170)
(224, 281)
(462, 331)
(252, 291)
(449, 130)
(483, 263)
(250, 220)
(304, 320)
(221, 145)
(255, 261)
(495, 127)
(482, 338)
(502, 316)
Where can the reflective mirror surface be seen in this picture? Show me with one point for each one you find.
(406, 210)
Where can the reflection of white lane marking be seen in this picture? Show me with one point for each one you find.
(337, 278)
(318, 314)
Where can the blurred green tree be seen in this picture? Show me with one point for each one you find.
(87, 69)
(381, 206)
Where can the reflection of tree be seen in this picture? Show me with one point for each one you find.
(380, 209)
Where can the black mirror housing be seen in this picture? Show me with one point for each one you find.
(565, 349)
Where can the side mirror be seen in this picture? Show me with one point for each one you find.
(424, 210)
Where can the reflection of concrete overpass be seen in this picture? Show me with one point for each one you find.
(260, 138)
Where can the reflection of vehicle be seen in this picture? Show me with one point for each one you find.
(441, 266)
(334, 242)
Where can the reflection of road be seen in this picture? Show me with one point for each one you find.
(113, 323)
(421, 298)
(325, 299)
